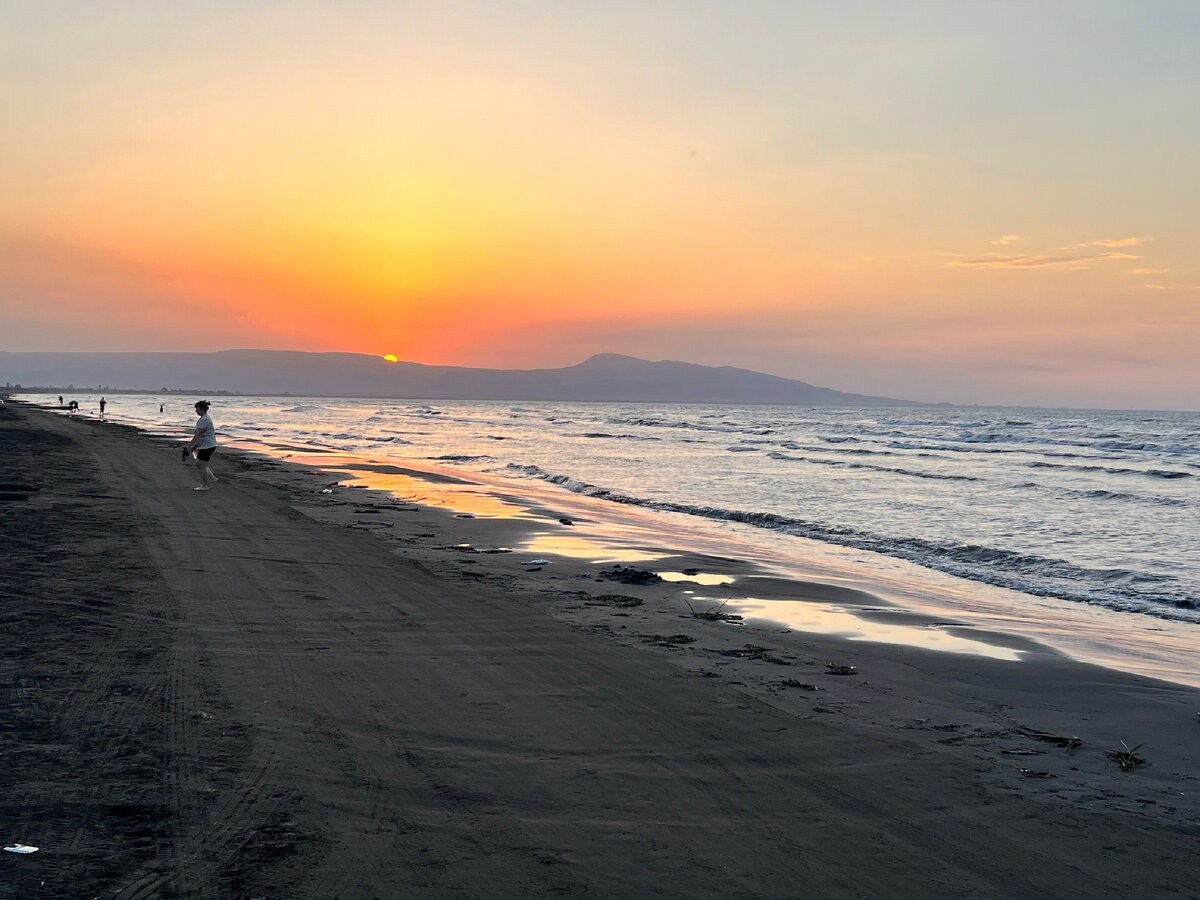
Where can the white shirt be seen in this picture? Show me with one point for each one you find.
(206, 433)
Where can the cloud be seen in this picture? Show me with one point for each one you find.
(1122, 242)
(1148, 271)
(1027, 261)
(1006, 240)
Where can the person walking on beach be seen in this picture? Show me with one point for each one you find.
(60, 399)
(204, 442)
(103, 403)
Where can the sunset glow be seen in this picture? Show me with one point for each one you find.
(939, 203)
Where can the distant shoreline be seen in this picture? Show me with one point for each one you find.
(605, 377)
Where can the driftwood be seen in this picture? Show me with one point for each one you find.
(839, 669)
(620, 601)
(670, 640)
(753, 651)
(713, 613)
(1058, 740)
(803, 685)
(629, 575)
(1127, 759)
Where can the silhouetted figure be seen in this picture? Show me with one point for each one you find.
(204, 442)
(72, 407)
(102, 405)
(60, 399)
(160, 407)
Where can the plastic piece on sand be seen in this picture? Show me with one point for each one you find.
(538, 562)
(21, 848)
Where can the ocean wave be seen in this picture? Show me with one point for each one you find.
(1122, 496)
(846, 464)
(458, 458)
(684, 424)
(850, 451)
(1003, 442)
(1117, 588)
(615, 437)
(385, 440)
(1099, 494)
(1111, 470)
(948, 448)
(302, 408)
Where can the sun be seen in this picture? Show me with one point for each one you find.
(392, 357)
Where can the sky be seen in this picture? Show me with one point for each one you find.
(962, 201)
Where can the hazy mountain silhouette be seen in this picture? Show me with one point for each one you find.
(606, 376)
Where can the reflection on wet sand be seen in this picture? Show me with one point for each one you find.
(822, 618)
(582, 548)
(706, 578)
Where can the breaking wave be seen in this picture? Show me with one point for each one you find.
(1117, 588)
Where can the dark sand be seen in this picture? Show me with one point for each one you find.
(265, 691)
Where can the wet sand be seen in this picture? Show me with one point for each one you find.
(269, 691)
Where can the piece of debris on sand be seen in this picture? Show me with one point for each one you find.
(629, 575)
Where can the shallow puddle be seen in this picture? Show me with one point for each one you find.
(822, 618)
(706, 578)
(582, 548)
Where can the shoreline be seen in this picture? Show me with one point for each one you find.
(458, 723)
(1140, 643)
(943, 611)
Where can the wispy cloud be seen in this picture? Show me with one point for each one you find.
(1148, 271)
(1122, 242)
(1006, 240)
(1030, 261)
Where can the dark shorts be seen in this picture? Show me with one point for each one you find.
(205, 454)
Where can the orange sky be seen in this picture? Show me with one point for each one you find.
(941, 205)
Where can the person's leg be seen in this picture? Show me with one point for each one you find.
(206, 473)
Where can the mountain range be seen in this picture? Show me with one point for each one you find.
(603, 377)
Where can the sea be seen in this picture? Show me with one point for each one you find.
(1079, 527)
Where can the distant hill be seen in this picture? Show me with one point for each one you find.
(606, 376)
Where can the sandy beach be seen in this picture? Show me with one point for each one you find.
(271, 691)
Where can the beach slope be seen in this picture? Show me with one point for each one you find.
(215, 695)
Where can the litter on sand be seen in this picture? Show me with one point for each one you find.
(538, 562)
(21, 848)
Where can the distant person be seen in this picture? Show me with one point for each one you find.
(72, 407)
(103, 403)
(60, 399)
(204, 442)
(160, 407)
